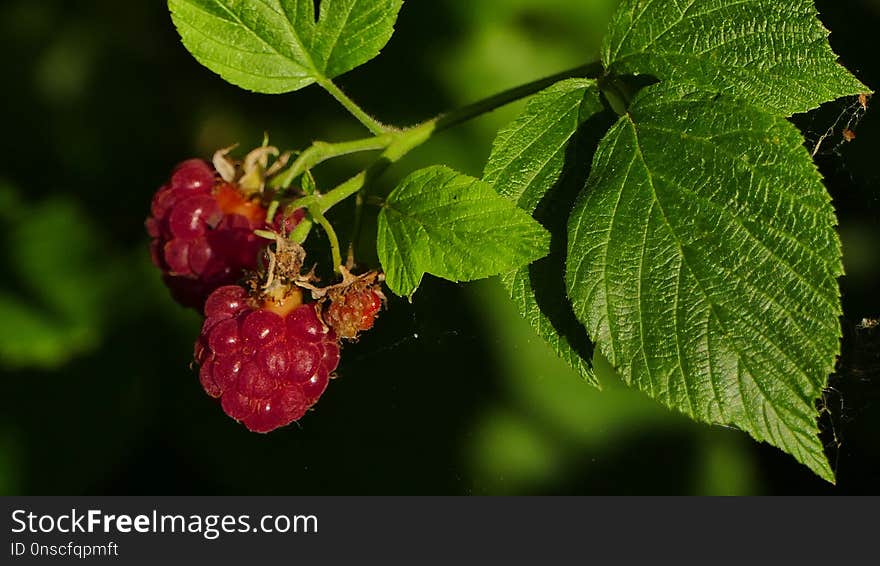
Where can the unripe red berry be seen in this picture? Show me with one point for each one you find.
(353, 312)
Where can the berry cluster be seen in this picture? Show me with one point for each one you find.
(263, 352)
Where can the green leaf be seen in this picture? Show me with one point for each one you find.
(528, 156)
(528, 166)
(441, 222)
(774, 54)
(276, 46)
(703, 260)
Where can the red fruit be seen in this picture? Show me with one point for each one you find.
(267, 369)
(353, 311)
(202, 231)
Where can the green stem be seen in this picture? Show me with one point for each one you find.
(446, 121)
(409, 139)
(273, 209)
(396, 144)
(319, 217)
(302, 202)
(356, 228)
(302, 230)
(376, 127)
(320, 152)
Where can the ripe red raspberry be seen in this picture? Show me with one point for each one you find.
(202, 231)
(268, 365)
(353, 311)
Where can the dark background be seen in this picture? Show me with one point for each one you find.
(452, 394)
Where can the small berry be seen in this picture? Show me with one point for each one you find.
(266, 368)
(353, 312)
(202, 231)
(351, 307)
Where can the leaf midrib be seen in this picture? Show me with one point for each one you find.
(741, 359)
(790, 268)
(438, 235)
(338, 32)
(309, 63)
(427, 227)
(707, 299)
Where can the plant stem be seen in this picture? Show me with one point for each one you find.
(356, 228)
(302, 230)
(396, 144)
(319, 217)
(454, 118)
(376, 127)
(321, 151)
(409, 139)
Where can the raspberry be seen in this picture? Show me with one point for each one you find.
(353, 312)
(202, 231)
(267, 364)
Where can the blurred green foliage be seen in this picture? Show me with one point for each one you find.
(53, 250)
(450, 394)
